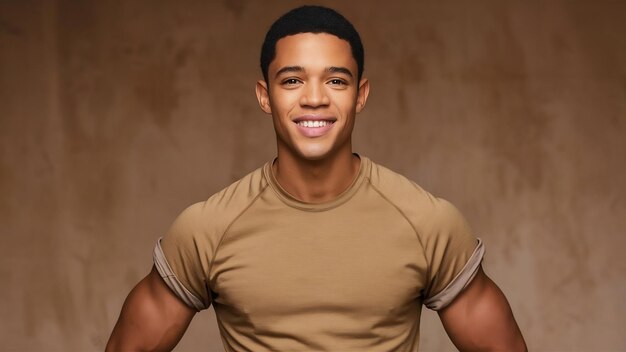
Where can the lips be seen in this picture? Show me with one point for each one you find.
(314, 126)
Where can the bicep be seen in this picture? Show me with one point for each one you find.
(152, 318)
(480, 318)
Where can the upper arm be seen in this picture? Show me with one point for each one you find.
(480, 319)
(152, 318)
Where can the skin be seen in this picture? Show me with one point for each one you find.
(314, 75)
(152, 318)
(480, 319)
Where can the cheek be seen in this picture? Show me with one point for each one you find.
(346, 106)
(345, 100)
(284, 102)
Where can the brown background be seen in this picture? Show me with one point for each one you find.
(115, 115)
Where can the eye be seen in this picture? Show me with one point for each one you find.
(291, 81)
(337, 81)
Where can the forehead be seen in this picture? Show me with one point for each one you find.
(313, 50)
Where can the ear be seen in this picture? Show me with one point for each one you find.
(364, 91)
(263, 96)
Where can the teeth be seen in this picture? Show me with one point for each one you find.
(313, 123)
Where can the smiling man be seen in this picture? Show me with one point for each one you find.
(320, 249)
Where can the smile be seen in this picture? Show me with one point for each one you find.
(314, 124)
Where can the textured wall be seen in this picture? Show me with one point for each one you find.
(116, 115)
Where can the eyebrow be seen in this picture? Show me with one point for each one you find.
(331, 69)
(335, 69)
(289, 69)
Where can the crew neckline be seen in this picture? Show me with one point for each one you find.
(294, 202)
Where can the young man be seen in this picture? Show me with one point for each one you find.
(321, 249)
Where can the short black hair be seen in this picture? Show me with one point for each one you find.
(311, 19)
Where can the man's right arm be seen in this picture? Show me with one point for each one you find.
(152, 318)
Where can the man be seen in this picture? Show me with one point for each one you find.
(321, 249)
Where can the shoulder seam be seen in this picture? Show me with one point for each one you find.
(417, 235)
(217, 247)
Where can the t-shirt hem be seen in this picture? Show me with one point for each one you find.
(462, 279)
(170, 279)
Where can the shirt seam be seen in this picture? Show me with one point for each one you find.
(223, 236)
(417, 234)
(276, 189)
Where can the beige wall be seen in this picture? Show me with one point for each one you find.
(115, 115)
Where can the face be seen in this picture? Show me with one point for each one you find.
(313, 95)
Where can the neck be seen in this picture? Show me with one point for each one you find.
(316, 181)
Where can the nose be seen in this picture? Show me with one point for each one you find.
(314, 95)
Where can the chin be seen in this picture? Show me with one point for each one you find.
(313, 157)
(314, 154)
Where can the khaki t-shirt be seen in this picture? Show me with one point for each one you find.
(347, 275)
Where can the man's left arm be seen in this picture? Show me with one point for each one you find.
(480, 319)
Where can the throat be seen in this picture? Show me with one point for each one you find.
(317, 181)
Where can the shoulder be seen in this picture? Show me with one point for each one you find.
(426, 212)
(207, 220)
(230, 201)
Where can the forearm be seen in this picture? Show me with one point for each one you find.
(152, 319)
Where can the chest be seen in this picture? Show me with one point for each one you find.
(366, 264)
